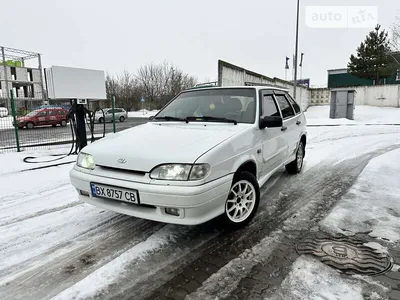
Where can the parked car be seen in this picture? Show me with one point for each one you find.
(205, 154)
(44, 116)
(3, 112)
(120, 115)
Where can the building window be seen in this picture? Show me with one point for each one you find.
(398, 75)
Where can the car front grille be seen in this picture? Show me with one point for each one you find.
(124, 171)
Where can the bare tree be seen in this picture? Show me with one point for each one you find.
(395, 40)
(157, 83)
(160, 83)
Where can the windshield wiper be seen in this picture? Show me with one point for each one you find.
(169, 118)
(215, 119)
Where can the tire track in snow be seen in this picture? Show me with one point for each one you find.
(90, 251)
(300, 195)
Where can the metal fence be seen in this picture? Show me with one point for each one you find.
(40, 126)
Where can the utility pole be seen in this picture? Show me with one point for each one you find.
(296, 50)
(3, 55)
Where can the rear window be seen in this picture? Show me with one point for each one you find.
(294, 104)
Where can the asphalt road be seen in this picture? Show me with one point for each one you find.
(54, 135)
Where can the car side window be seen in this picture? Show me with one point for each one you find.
(294, 104)
(269, 108)
(117, 110)
(61, 112)
(284, 105)
(42, 114)
(52, 113)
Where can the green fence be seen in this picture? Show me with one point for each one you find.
(27, 124)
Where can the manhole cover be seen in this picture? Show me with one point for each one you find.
(348, 255)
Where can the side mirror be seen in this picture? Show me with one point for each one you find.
(271, 122)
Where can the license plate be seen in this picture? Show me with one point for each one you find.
(115, 193)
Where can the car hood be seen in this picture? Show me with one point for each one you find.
(22, 118)
(145, 146)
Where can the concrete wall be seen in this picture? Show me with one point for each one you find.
(320, 96)
(36, 75)
(378, 95)
(22, 74)
(381, 95)
(232, 75)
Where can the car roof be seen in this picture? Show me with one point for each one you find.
(257, 87)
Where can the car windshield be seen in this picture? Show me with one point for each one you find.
(32, 113)
(238, 104)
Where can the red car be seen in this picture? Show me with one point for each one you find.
(44, 116)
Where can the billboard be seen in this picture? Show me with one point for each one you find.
(75, 83)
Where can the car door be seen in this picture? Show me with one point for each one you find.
(300, 118)
(117, 112)
(290, 128)
(52, 115)
(109, 115)
(274, 147)
(42, 118)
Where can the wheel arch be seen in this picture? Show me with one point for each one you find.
(248, 166)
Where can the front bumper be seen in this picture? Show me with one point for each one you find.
(197, 204)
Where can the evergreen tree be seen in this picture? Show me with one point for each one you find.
(373, 60)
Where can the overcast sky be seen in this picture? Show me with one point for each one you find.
(193, 35)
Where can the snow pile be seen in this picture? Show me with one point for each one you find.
(373, 203)
(363, 114)
(310, 279)
(143, 113)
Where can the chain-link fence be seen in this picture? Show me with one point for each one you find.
(42, 125)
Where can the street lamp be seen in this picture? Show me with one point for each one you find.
(296, 50)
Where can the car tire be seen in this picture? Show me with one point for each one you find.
(121, 119)
(30, 125)
(63, 123)
(296, 166)
(243, 200)
(101, 120)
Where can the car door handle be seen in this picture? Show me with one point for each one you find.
(298, 122)
(283, 128)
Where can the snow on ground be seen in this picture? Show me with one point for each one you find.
(309, 279)
(41, 218)
(11, 162)
(109, 273)
(375, 197)
(143, 113)
(363, 114)
(337, 144)
(6, 123)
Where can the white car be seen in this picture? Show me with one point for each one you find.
(120, 115)
(205, 154)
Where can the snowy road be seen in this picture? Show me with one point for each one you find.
(53, 246)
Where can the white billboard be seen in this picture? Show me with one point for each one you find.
(75, 83)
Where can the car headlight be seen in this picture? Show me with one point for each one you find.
(86, 161)
(180, 172)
